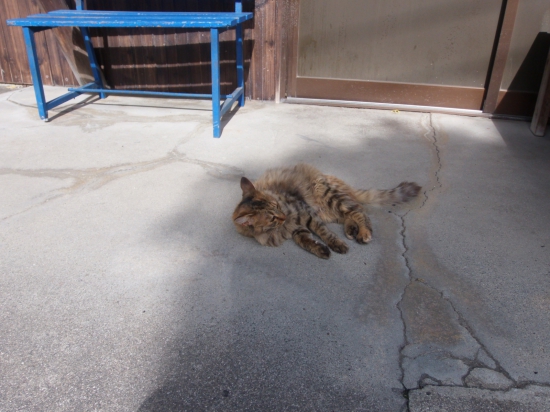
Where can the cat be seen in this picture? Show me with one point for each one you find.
(298, 201)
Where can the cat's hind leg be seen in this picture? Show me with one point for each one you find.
(339, 205)
(357, 224)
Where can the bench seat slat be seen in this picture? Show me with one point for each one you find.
(137, 13)
(117, 19)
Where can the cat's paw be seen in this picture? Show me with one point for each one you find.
(364, 236)
(338, 246)
(321, 250)
(351, 229)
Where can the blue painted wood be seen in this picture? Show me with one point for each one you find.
(67, 96)
(97, 89)
(124, 14)
(166, 20)
(80, 5)
(35, 73)
(239, 60)
(216, 22)
(61, 99)
(92, 58)
(232, 98)
(215, 58)
(96, 13)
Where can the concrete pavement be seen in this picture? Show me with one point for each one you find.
(124, 286)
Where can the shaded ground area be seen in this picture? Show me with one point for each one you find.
(124, 286)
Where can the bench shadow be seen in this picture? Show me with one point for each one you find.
(69, 109)
(105, 102)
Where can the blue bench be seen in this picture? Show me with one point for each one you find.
(84, 19)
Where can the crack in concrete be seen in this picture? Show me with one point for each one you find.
(95, 178)
(405, 340)
(465, 325)
(471, 363)
(475, 363)
(511, 388)
(431, 136)
(425, 378)
(448, 355)
(433, 140)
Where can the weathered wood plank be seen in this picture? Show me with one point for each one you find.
(71, 46)
(269, 50)
(7, 66)
(26, 8)
(292, 47)
(257, 60)
(13, 39)
(542, 108)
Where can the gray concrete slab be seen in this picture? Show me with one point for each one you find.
(8, 88)
(458, 399)
(124, 286)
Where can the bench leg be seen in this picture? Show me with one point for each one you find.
(240, 61)
(215, 54)
(35, 73)
(93, 61)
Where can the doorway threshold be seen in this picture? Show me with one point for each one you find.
(401, 107)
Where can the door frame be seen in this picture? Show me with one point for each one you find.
(345, 92)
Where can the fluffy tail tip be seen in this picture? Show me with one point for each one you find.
(408, 190)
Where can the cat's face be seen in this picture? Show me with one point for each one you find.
(257, 212)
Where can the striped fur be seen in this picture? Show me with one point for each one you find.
(297, 202)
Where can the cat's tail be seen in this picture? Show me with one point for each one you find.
(402, 193)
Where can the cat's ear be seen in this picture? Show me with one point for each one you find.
(247, 187)
(245, 220)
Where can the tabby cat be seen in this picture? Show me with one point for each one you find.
(297, 202)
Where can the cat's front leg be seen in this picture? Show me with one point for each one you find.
(330, 238)
(303, 238)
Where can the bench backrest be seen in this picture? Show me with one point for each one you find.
(80, 5)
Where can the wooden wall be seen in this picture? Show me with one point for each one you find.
(149, 59)
(14, 66)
